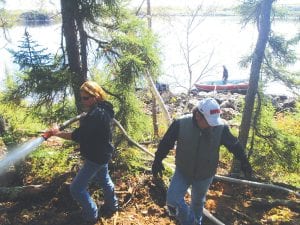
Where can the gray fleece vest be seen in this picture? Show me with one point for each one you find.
(197, 152)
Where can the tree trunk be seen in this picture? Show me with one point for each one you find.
(154, 103)
(154, 117)
(149, 14)
(69, 11)
(264, 26)
(2, 125)
(158, 98)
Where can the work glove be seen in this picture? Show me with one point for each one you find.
(246, 168)
(157, 168)
(47, 134)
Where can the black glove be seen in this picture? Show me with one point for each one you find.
(157, 168)
(246, 168)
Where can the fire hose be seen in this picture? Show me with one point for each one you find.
(63, 126)
(217, 177)
(21, 151)
(25, 150)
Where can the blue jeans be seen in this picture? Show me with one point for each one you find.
(187, 215)
(79, 188)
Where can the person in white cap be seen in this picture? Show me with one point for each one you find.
(198, 136)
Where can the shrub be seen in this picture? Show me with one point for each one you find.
(47, 163)
(277, 146)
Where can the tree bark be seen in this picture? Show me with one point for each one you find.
(154, 103)
(2, 125)
(257, 59)
(14, 193)
(264, 26)
(270, 203)
(256, 184)
(158, 98)
(69, 12)
(31, 191)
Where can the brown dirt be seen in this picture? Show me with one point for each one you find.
(142, 200)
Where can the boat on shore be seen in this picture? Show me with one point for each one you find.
(240, 86)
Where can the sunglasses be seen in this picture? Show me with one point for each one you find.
(85, 98)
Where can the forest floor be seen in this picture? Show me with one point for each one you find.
(142, 201)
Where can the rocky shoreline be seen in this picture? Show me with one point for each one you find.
(231, 103)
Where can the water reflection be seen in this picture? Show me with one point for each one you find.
(34, 18)
(222, 35)
(36, 23)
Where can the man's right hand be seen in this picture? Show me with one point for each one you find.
(157, 168)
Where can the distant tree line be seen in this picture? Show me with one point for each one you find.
(35, 17)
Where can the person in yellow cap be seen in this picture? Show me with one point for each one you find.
(94, 136)
(198, 136)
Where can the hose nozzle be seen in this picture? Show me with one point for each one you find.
(50, 132)
(47, 134)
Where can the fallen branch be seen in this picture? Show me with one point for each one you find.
(217, 177)
(158, 97)
(123, 192)
(13, 193)
(115, 218)
(256, 184)
(131, 140)
(275, 202)
(205, 211)
(30, 191)
(242, 215)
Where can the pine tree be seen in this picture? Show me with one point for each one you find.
(30, 54)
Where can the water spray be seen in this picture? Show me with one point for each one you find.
(21, 151)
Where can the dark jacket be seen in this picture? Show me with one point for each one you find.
(94, 134)
(203, 162)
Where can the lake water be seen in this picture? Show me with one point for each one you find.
(217, 40)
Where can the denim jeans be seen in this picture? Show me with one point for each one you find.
(79, 187)
(187, 215)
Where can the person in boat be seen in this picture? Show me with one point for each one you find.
(225, 75)
(198, 136)
(94, 136)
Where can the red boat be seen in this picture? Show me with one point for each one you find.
(233, 86)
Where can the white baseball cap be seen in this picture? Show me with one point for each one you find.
(211, 111)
